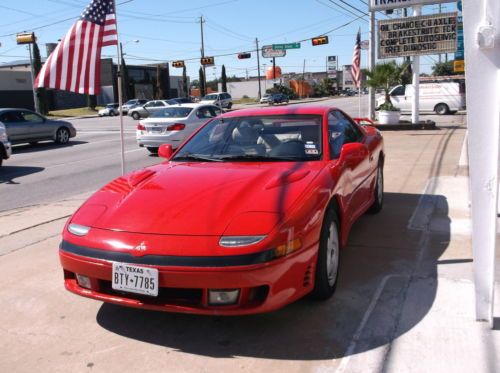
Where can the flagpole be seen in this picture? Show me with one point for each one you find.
(120, 96)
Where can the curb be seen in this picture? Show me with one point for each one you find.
(406, 126)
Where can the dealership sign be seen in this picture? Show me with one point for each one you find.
(269, 52)
(415, 36)
(392, 4)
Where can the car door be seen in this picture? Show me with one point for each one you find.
(40, 128)
(342, 131)
(17, 128)
(399, 99)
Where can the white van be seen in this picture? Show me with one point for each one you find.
(442, 97)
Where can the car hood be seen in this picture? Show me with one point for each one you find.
(199, 198)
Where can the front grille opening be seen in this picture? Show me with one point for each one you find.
(170, 296)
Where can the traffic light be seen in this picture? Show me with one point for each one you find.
(25, 38)
(320, 40)
(207, 61)
(178, 64)
(242, 56)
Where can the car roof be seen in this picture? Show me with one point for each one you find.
(280, 110)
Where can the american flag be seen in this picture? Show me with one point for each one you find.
(356, 61)
(75, 64)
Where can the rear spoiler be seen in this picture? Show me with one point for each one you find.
(364, 121)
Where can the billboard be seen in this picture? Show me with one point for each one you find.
(269, 52)
(347, 78)
(415, 36)
(393, 4)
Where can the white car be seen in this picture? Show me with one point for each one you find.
(5, 147)
(222, 100)
(109, 110)
(173, 124)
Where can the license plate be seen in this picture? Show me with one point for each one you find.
(135, 279)
(156, 130)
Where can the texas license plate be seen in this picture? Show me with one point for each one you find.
(156, 130)
(135, 279)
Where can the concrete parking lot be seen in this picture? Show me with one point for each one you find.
(404, 301)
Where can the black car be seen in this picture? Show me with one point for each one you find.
(274, 98)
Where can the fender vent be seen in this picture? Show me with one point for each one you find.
(307, 277)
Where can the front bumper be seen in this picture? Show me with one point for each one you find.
(267, 285)
(174, 139)
(7, 150)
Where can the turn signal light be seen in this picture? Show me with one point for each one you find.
(288, 247)
(140, 127)
(176, 127)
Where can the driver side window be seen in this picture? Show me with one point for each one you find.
(341, 131)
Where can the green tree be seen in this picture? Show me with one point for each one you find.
(202, 82)
(127, 87)
(185, 82)
(384, 76)
(41, 93)
(223, 79)
(443, 69)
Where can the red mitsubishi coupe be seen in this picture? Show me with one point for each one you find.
(248, 215)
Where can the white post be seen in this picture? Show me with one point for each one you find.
(482, 73)
(417, 10)
(371, 66)
(120, 98)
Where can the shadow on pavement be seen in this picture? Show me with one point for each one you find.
(48, 145)
(9, 173)
(382, 257)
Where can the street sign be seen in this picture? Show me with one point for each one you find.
(416, 36)
(269, 52)
(459, 66)
(286, 46)
(365, 44)
(393, 4)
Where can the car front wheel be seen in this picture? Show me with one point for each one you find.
(136, 115)
(62, 135)
(327, 267)
(378, 192)
(152, 150)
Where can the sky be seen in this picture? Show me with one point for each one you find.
(169, 30)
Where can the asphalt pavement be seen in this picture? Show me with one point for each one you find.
(404, 302)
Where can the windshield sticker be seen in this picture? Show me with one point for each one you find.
(312, 151)
(310, 146)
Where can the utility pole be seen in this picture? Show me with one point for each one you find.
(258, 65)
(274, 69)
(203, 51)
(303, 79)
(439, 53)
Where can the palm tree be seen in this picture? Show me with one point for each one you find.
(385, 75)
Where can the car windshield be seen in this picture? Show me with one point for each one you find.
(290, 137)
(173, 112)
(110, 106)
(210, 97)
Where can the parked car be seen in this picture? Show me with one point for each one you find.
(109, 110)
(223, 100)
(5, 147)
(26, 126)
(173, 124)
(148, 108)
(247, 216)
(274, 98)
(440, 97)
(132, 103)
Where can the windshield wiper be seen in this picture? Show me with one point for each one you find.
(196, 157)
(255, 157)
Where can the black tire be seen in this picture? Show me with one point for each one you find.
(327, 266)
(378, 192)
(62, 135)
(152, 150)
(229, 106)
(1, 161)
(136, 115)
(441, 109)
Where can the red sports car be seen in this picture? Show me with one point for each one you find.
(248, 215)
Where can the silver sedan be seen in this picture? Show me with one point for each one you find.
(26, 126)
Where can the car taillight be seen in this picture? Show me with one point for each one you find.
(141, 127)
(176, 127)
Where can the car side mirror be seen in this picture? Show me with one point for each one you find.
(353, 150)
(165, 151)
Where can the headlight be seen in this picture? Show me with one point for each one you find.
(78, 230)
(237, 241)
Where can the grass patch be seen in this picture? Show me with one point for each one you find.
(77, 112)
(247, 100)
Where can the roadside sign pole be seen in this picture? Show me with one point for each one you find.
(258, 66)
(371, 66)
(35, 100)
(417, 11)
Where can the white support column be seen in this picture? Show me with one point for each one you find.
(415, 107)
(482, 69)
(371, 65)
